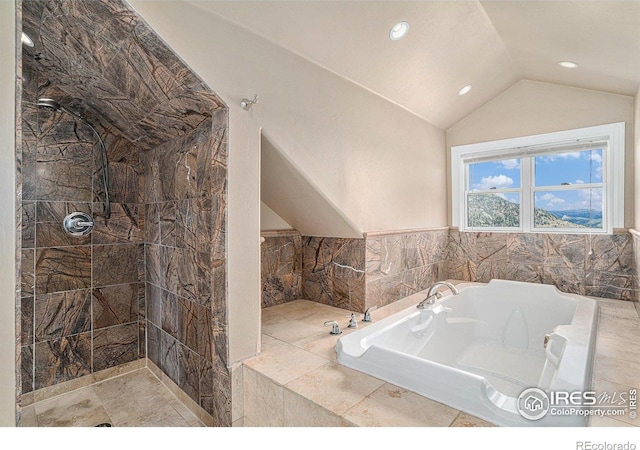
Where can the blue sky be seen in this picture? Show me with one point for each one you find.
(574, 168)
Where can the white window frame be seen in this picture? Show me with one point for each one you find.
(613, 174)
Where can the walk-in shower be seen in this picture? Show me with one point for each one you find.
(79, 224)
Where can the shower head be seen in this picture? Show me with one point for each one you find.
(48, 104)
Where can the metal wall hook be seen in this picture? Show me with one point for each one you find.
(246, 104)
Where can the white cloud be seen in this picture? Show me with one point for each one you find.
(498, 182)
(511, 164)
(551, 199)
(594, 156)
(567, 155)
(579, 182)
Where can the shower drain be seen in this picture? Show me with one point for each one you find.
(105, 424)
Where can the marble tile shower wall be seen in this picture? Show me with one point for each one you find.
(185, 198)
(281, 267)
(82, 298)
(597, 265)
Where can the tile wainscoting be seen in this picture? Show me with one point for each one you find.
(281, 266)
(384, 267)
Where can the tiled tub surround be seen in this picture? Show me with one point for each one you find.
(383, 267)
(296, 380)
(333, 271)
(563, 260)
(403, 263)
(185, 200)
(379, 269)
(81, 306)
(281, 266)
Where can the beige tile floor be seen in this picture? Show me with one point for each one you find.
(298, 364)
(135, 399)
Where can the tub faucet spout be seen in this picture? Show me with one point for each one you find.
(433, 294)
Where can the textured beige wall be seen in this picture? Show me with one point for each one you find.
(383, 167)
(8, 216)
(269, 220)
(531, 107)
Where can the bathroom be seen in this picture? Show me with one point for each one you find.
(345, 201)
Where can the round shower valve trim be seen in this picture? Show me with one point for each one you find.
(78, 224)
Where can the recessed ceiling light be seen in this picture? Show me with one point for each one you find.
(26, 40)
(568, 64)
(464, 90)
(399, 31)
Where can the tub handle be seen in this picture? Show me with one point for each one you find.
(553, 348)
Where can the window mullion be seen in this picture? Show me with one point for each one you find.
(526, 200)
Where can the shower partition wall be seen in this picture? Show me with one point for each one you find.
(91, 302)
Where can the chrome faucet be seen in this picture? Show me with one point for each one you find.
(433, 294)
(367, 314)
(335, 328)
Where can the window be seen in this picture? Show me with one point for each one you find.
(570, 182)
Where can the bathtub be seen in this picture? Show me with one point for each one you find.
(479, 350)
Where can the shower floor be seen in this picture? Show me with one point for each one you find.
(135, 399)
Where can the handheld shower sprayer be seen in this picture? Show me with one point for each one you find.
(49, 104)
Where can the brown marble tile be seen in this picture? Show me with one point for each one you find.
(168, 232)
(188, 274)
(169, 359)
(194, 324)
(62, 314)
(115, 345)
(28, 225)
(64, 172)
(27, 272)
(170, 313)
(62, 269)
(27, 168)
(115, 264)
(526, 248)
(155, 272)
(50, 217)
(152, 223)
(123, 226)
(26, 368)
(27, 305)
(62, 359)
(565, 250)
(115, 305)
(154, 351)
(611, 253)
(566, 280)
(609, 285)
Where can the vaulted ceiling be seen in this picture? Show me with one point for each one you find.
(488, 44)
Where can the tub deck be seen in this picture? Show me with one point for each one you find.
(296, 380)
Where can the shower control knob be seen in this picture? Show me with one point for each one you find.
(78, 224)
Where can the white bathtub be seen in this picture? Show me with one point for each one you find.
(479, 350)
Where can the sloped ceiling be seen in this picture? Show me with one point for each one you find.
(489, 44)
